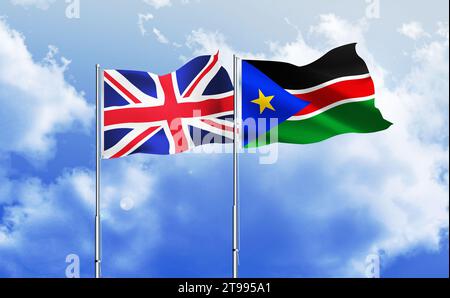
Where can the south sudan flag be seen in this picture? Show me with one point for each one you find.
(330, 96)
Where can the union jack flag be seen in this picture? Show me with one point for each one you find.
(166, 114)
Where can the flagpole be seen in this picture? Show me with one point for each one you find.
(97, 174)
(235, 178)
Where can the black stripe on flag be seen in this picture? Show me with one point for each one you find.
(339, 62)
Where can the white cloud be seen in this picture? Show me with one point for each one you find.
(142, 18)
(42, 223)
(159, 36)
(413, 30)
(337, 31)
(443, 30)
(41, 4)
(158, 3)
(33, 203)
(289, 51)
(203, 42)
(128, 210)
(408, 197)
(133, 184)
(36, 98)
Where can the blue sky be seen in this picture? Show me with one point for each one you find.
(319, 210)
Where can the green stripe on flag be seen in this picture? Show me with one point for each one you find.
(356, 117)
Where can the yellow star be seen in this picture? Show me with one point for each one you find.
(263, 102)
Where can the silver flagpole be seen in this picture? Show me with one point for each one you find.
(235, 177)
(97, 174)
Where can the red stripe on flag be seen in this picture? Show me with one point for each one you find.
(336, 92)
(134, 142)
(199, 78)
(121, 88)
(172, 107)
(160, 113)
(217, 125)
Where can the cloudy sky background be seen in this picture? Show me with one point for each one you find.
(320, 210)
